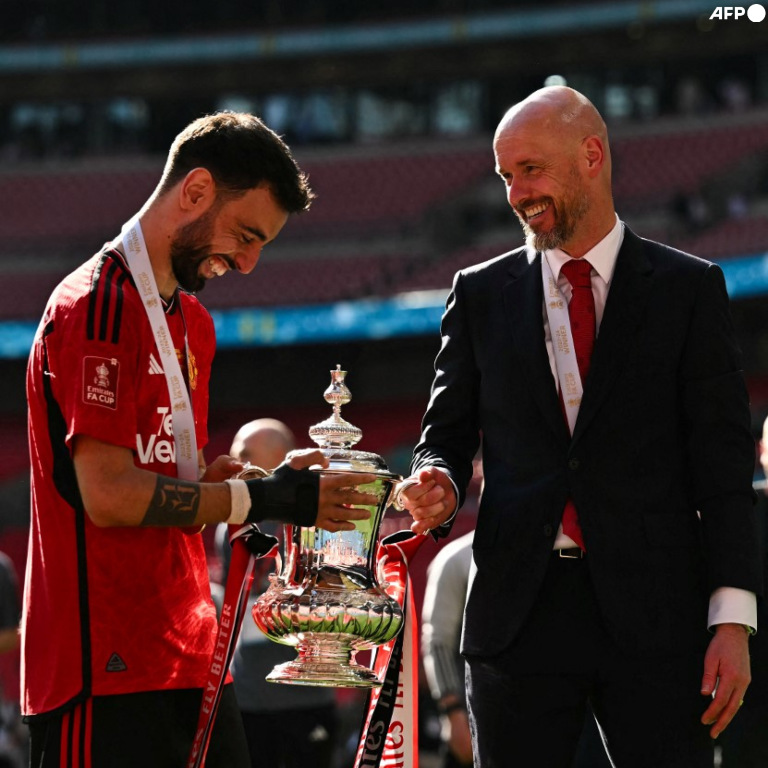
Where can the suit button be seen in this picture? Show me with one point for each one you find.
(573, 463)
(548, 530)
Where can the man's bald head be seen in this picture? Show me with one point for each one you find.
(556, 110)
(263, 442)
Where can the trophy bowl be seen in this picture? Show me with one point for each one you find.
(327, 599)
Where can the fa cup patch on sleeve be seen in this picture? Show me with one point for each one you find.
(100, 375)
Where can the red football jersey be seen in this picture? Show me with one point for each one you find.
(110, 610)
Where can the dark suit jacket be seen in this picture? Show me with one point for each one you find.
(663, 433)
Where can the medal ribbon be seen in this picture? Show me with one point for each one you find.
(567, 368)
(562, 344)
(248, 545)
(183, 418)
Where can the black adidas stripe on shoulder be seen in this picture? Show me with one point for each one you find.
(105, 301)
(119, 306)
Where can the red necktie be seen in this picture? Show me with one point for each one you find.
(581, 311)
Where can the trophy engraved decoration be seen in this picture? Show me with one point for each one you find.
(326, 598)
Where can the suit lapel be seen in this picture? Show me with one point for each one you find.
(624, 309)
(523, 302)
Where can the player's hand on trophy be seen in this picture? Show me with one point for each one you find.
(293, 493)
(337, 492)
(429, 496)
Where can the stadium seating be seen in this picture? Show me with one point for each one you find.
(368, 199)
(731, 237)
(389, 189)
(66, 207)
(314, 280)
(371, 191)
(649, 170)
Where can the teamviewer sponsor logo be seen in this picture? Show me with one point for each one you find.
(159, 446)
(755, 12)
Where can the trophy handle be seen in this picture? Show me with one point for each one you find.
(251, 471)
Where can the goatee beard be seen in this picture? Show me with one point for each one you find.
(563, 229)
(544, 241)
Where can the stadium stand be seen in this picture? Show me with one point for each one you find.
(361, 193)
(678, 157)
(71, 204)
(365, 196)
(732, 237)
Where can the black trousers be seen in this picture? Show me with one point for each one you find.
(137, 730)
(527, 704)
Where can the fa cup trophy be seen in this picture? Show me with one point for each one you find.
(327, 599)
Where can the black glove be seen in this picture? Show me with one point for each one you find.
(286, 496)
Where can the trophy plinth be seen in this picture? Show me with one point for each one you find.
(327, 601)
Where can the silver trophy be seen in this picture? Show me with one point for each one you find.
(326, 598)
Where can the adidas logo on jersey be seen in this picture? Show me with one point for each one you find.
(154, 366)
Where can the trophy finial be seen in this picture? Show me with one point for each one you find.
(335, 432)
(338, 393)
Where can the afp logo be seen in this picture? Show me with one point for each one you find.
(755, 12)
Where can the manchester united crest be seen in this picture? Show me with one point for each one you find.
(191, 367)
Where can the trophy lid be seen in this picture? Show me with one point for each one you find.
(335, 436)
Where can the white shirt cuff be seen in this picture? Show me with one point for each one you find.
(729, 605)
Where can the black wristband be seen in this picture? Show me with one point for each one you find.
(286, 496)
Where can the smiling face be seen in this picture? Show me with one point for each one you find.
(545, 187)
(228, 236)
(551, 152)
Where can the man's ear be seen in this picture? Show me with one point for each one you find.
(594, 155)
(197, 191)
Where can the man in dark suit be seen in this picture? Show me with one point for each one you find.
(615, 551)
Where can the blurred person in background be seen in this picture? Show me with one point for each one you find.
(286, 726)
(12, 732)
(118, 626)
(10, 608)
(745, 743)
(441, 620)
(617, 525)
(441, 617)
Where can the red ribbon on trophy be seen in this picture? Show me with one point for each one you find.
(248, 545)
(389, 732)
